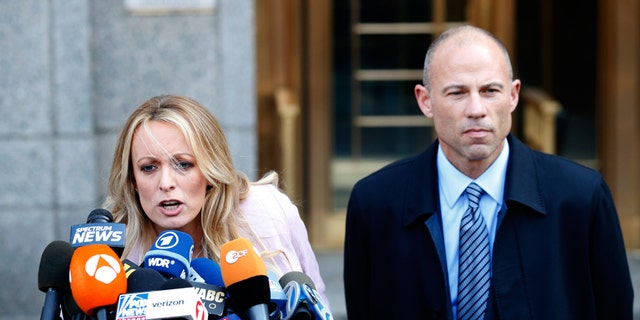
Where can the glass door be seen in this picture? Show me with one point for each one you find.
(379, 49)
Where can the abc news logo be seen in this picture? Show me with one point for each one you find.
(212, 296)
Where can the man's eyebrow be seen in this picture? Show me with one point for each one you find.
(494, 84)
(453, 86)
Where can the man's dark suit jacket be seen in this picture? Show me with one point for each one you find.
(558, 252)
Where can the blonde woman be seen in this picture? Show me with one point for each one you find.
(172, 170)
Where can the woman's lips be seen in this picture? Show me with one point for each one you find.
(170, 207)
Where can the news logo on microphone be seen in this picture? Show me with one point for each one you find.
(171, 254)
(161, 304)
(303, 301)
(213, 297)
(132, 306)
(96, 277)
(245, 277)
(99, 229)
(97, 233)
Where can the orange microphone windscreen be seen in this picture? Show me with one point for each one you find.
(240, 261)
(97, 277)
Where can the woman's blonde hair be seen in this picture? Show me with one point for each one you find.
(205, 137)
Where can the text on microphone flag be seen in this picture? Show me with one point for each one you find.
(161, 304)
(105, 233)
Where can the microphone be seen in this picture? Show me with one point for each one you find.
(173, 301)
(97, 279)
(53, 277)
(130, 267)
(170, 254)
(278, 297)
(99, 229)
(175, 283)
(145, 280)
(71, 309)
(205, 277)
(245, 277)
(303, 301)
(206, 270)
(100, 216)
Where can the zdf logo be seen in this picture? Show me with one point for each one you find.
(233, 255)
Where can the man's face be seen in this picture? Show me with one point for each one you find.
(471, 100)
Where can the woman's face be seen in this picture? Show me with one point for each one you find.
(170, 185)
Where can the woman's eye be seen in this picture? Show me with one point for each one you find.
(147, 168)
(184, 165)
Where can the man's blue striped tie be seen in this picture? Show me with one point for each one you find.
(474, 275)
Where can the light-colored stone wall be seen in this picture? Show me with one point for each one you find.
(70, 73)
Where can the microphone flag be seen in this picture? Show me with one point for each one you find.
(302, 298)
(171, 254)
(96, 277)
(99, 229)
(161, 304)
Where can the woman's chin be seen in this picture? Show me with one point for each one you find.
(170, 225)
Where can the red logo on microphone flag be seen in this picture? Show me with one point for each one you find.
(201, 314)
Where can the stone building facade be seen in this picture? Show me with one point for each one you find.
(72, 71)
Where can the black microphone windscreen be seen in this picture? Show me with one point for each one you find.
(144, 280)
(298, 277)
(249, 292)
(302, 314)
(175, 283)
(71, 307)
(53, 271)
(99, 215)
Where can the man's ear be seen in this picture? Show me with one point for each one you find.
(515, 93)
(424, 100)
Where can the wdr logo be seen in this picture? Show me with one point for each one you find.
(160, 262)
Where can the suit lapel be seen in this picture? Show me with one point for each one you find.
(421, 204)
(521, 191)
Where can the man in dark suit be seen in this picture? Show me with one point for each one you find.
(547, 245)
